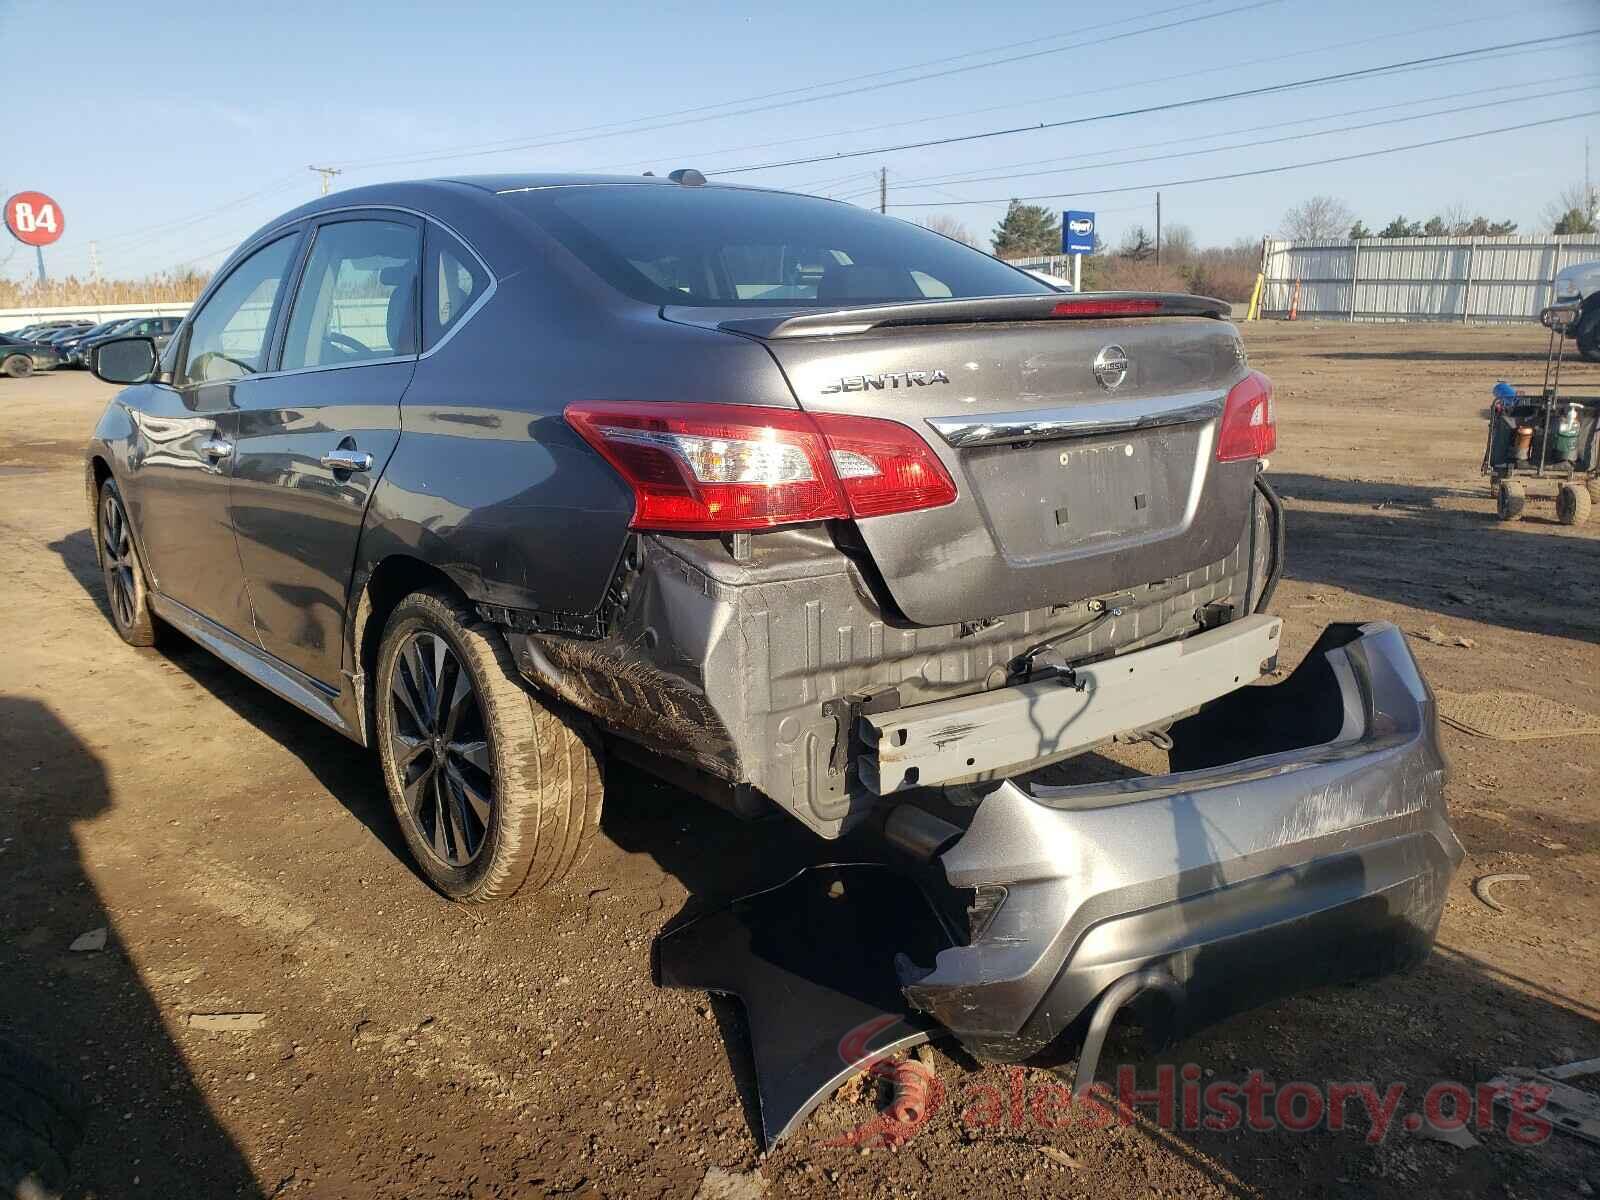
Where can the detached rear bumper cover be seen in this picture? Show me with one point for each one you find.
(1271, 871)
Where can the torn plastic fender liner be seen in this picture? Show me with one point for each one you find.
(1246, 878)
(814, 962)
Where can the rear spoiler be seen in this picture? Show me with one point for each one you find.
(1088, 306)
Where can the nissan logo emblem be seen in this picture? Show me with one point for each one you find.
(1111, 367)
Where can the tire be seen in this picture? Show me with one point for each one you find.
(18, 366)
(1587, 335)
(41, 1123)
(127, 593)
(1572, 504)
(1592, 486)
(1512, 499)
(495, 792)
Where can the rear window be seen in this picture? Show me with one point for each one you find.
(717, 247)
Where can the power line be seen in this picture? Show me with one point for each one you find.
(1233, 67)
(1318, 162)
(559, 140)
(149, 234)
(507, 144)
(967, 177)
(1290, 137)
(1336, 77)
(279, 184)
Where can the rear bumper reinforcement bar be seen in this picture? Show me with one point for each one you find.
(993, 733)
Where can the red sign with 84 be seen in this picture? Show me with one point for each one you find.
(33, 218)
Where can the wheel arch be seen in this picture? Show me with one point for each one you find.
(96, 470)
(375, 595)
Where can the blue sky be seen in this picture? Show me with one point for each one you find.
(169, 131)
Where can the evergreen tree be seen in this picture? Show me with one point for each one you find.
(1027, 229)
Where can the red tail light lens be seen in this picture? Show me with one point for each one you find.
(722, 467)
(1249, 426)
(883, 466)
(1106, 308)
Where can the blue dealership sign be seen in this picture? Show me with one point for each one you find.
(1077, 233)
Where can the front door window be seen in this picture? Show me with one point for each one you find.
(228, 338)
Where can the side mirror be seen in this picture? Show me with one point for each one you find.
(124, 360)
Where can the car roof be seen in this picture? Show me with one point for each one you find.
(416, 193)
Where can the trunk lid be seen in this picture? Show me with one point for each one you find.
(1083, 449)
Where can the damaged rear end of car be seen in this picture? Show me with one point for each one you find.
(991, 533)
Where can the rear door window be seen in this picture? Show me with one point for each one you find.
(453, 280)
(357, 300)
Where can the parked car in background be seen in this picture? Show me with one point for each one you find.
(1056, 281)
(45, 330)
(70, 341)
(1579, 285)
(19, 358)
(158, 329)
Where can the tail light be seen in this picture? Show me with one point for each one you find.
(1249, 426)
(1107, 308)
(721, 467)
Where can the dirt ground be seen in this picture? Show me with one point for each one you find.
(244, 859)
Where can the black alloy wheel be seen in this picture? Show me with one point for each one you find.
(441, 748)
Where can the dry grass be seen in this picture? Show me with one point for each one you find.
(56, 293)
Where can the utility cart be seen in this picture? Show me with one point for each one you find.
(1545, 436)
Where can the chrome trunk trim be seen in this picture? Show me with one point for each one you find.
(1078, 420)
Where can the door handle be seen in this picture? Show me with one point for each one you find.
(347, 460)
(216, 449)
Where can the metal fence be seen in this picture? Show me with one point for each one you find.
(1487, 280)
(16, 318)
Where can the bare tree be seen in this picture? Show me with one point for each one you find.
(1574, 199)
(1178, 245)
(950, 227)
(1457, 218)
(1137, 244)
(1321, 218)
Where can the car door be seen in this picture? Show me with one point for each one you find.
(181, 458)
(314, 437)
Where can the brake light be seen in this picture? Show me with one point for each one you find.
(1249, 425)
(1105, 308)
(721, 467)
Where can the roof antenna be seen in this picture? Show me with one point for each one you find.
(688, 177)
(649, 174)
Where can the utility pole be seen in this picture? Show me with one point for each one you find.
(327, 174)
(1591, 202)
(94, 261)
(883, 189)
(1158, 229)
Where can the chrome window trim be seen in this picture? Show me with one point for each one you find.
(1078, 420)
(279, 230)
(365, 362)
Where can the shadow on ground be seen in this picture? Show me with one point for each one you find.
(347, 771)
(1459, 560)
(149, 1128)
